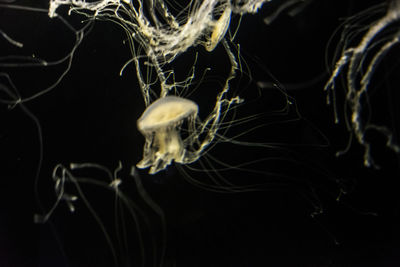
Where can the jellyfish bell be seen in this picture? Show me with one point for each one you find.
(160, 124)
(219, 30)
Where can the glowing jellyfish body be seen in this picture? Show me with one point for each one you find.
(219, 30)
(160, 124)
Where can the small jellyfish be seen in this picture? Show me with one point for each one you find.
(160, 124)
(220, 28)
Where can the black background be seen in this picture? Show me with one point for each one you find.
(91, 117)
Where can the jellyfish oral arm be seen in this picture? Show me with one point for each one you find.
(161, 150)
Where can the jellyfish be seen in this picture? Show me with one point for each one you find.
(160, 124)
(219, 30)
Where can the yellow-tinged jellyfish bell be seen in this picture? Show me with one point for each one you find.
(220, 28)
(160, 124)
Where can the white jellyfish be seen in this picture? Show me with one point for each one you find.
(160, 124)
(219, 30)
